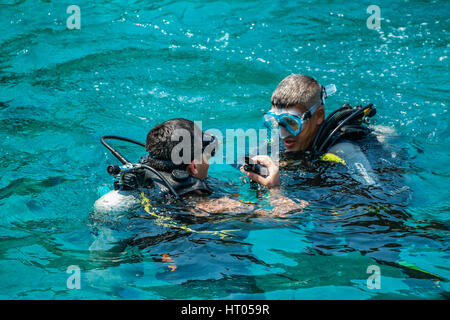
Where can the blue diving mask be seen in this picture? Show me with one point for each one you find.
(292, 120)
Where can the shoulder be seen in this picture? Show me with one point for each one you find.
(345, 150)
(344, 145)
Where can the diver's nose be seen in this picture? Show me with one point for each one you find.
(284, 133)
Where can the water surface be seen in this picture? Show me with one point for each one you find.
(134, 64)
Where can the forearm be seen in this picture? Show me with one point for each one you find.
(281, 205)
(222, 205)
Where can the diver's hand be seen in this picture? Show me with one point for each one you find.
(273, 179)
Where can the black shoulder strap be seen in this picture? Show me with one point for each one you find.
(345, 122)
(183, 184)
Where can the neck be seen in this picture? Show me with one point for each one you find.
(162, 165)
(314, 137)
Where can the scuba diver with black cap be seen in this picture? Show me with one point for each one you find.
(298, 114)
(156, 170)
(177, 169)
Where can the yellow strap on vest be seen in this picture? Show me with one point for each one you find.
(332, 158)
(170, 223)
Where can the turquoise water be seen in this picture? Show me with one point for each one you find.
(134, 64)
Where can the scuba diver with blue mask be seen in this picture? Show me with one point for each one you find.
(298, 114)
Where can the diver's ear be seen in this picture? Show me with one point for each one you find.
(192, 168)
(320, 115)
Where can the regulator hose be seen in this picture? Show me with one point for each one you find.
(127, 162)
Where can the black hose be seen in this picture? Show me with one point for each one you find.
(124, 139)
(324, 125)
(167, 183)
(114, 151)
(125, 161)
(354, 115)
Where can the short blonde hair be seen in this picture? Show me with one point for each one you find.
(297, 89)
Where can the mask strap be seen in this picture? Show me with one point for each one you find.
(323, 94)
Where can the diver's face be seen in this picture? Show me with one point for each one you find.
(309, 130)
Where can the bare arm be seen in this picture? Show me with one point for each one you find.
(281, 206)
(224, 204)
